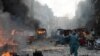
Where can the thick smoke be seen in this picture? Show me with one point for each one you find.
(14, 16)
(12, 11)
(1, 6)
(45, 15)
(84, 13)
(4, 20)
(19, 12)
(16, 8)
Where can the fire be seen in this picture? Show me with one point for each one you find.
(41, 31)
(6, 54)
(8, 41)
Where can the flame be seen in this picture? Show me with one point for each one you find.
(6, 54)
(41, 31)
(8, 41)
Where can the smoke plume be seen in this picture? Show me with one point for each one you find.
(84, 13)
(14, 16)
(19, 12)
(45, 15)
(16, 8)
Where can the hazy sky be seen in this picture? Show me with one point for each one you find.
(62, 8)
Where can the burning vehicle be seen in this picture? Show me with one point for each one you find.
(41, 33)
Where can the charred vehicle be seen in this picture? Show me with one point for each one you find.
(40, 33)
(62, 36)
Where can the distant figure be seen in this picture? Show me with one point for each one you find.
(82, 39)
(60, 38)
(90, 39)
(74, 43)
(92, 32)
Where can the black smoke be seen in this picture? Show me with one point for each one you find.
(1, 5)
(16, 8)
(18, 11)
(97, 16)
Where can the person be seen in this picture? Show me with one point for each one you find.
(74, 44)
(90, 39)
(92, 32)
(60, 38)
(82, 39)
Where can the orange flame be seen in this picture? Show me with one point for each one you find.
(41, 31)
(6, 54)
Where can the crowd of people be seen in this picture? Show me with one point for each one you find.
(87, 38)
(77, 38)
